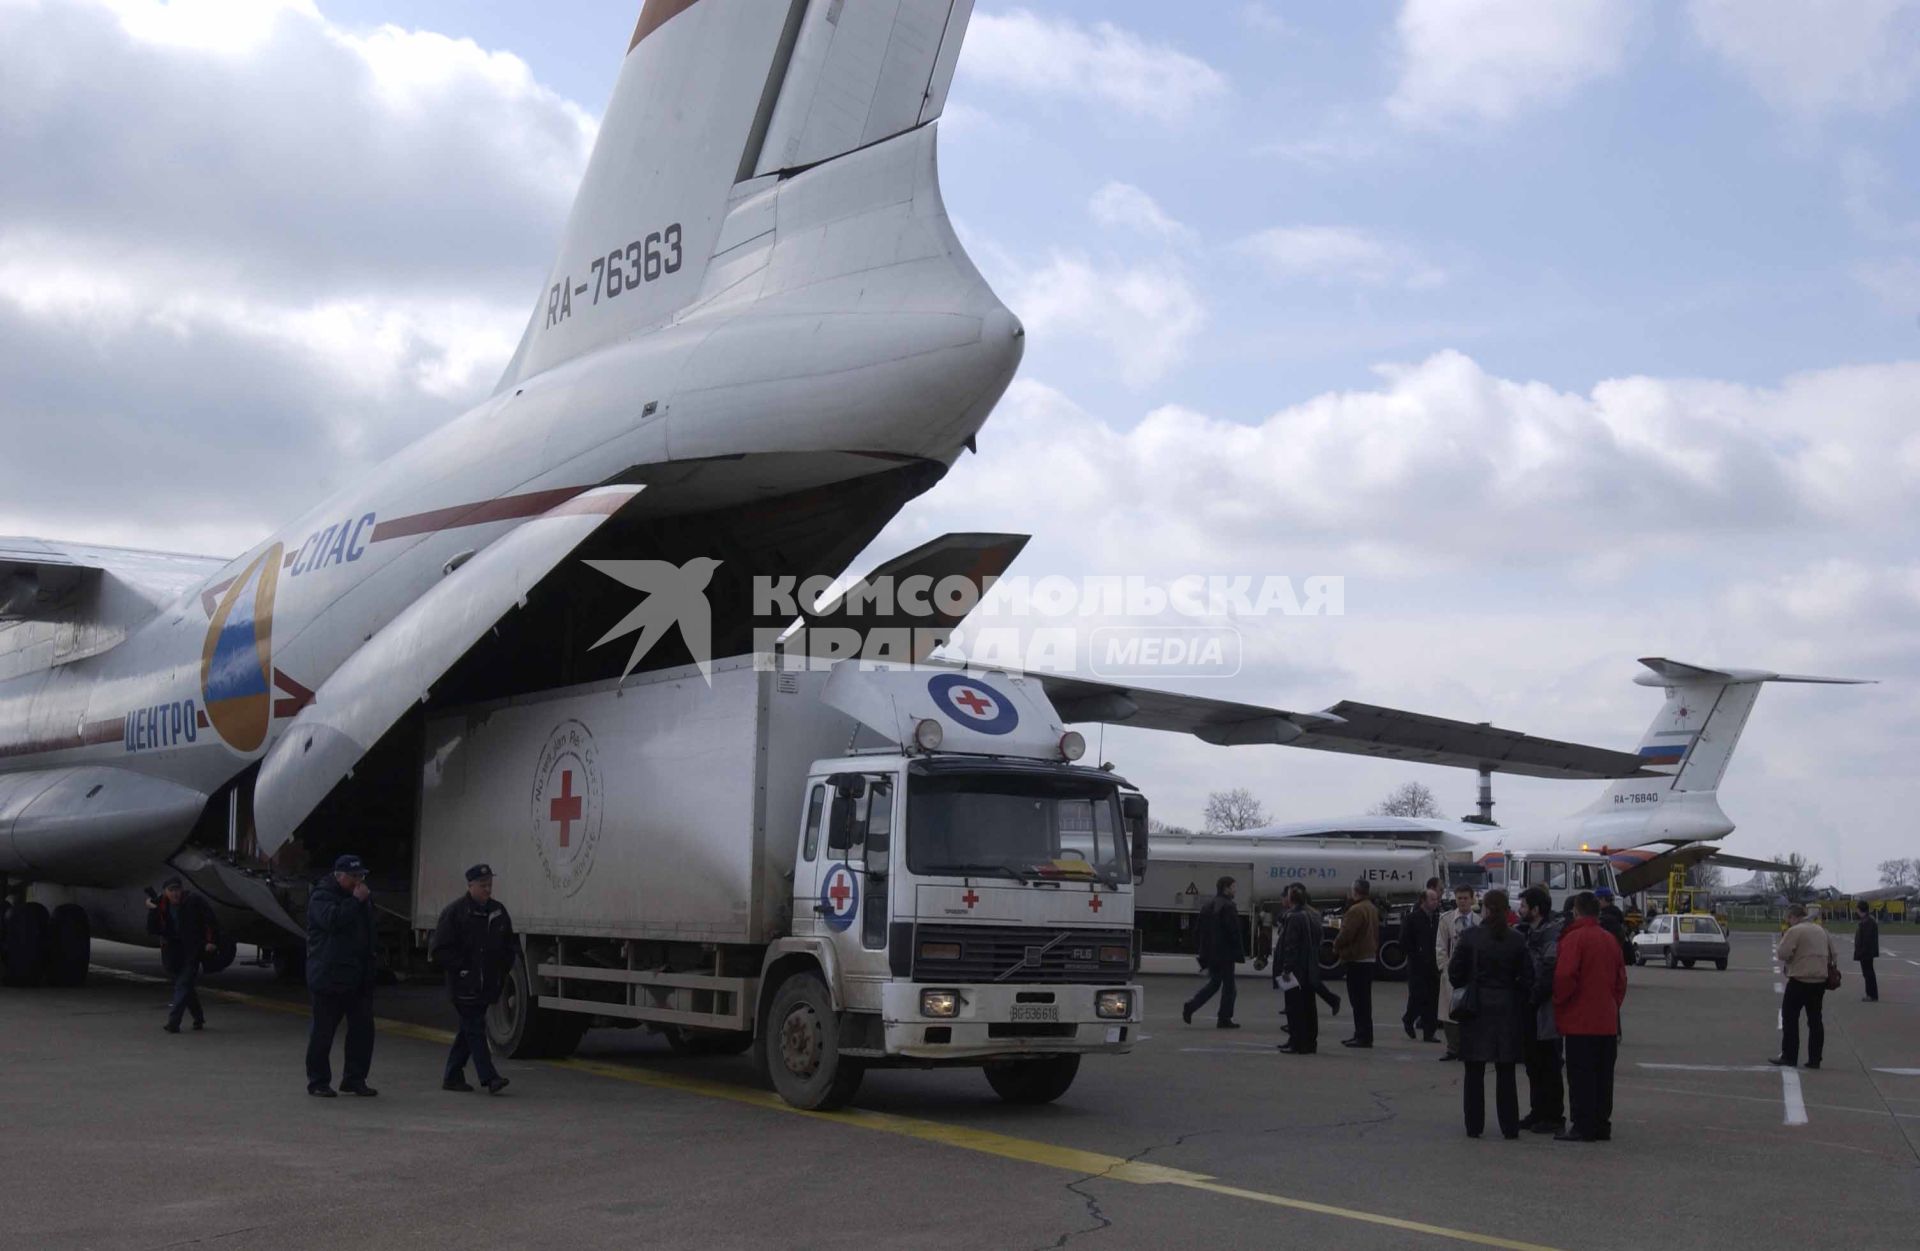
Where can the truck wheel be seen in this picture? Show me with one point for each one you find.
(1393, 958)
(1033, 1081)
(803, 1047)
(519, 1027)
(70, 946)
(27, 926)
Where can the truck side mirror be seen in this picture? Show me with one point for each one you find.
(1133, 814)
(848, 785)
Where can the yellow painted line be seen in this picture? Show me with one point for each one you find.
(985, 1142)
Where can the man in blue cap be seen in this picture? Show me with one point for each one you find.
(340, 975)
(474, 946)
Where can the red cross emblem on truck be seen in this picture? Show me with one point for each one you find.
(976, 704)
(1093, 901)
(969, 898)
(566, 807)
(838, 892)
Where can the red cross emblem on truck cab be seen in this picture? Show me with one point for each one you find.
(1093, 901)
(969, 898)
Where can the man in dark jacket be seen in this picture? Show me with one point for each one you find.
(1614, 921)
(1866, 949)
(1220, 948)
(340, 975)
(1419, 934)
(1297, 961)
(474, 946)
(1546, 1094)
(187, 932)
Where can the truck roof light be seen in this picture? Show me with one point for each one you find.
(928, 734)
(1073, 745)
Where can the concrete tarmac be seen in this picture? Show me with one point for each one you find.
(117, 1135)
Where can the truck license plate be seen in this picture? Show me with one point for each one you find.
(1036, 1012)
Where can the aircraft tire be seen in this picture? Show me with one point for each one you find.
(26, 944)
(1033, 1081)
(69, 946)
(222, 958)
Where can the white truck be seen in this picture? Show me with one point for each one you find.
(840, 870)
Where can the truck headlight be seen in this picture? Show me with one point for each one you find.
(939, 1003)
(1108, 1005)
(939, 951)
(1115, 955)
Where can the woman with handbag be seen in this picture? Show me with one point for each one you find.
(1492, 978)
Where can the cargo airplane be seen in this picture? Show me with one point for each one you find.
(760, 338)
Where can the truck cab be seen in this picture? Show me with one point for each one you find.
(1563, 874)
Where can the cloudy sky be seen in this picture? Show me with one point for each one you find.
(1567, 333)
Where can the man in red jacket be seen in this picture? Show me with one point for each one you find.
(1589, 984)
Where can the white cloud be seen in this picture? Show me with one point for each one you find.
(1146, 313)
(1339, 254)
(1488, 60)
(1103, 63)
(1861, 56)
(1125, 206)
(299, 278)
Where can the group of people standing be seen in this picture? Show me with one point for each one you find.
(1536, 989)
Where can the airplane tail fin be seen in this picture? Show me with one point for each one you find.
(716, 99)
(1693, 735)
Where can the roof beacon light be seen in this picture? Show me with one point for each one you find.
(928, 734)
(1073, 745)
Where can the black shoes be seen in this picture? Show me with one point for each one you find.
(359, 1088)
(171, 1027)
(1451, 1055)
(1780, 1061)
(1407, 1026)
(455, 1083)
(1228, 1025)
(1355, 1042)
(1813, 1064)
(198, 1026)
(1336, 1005)
(1186, 1013)
(1545, 1127)
(322, 1092)
(497, 1085)
(1572, 1135)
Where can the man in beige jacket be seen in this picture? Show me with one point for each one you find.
(1358, 944)
(1805, 954)
(1453, 924)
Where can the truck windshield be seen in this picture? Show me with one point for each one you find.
(1007, 825)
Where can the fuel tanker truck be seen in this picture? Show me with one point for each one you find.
(1181, 876)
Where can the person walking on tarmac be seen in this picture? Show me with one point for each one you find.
(1358, 944)
(1866, 949)
(474, 946)
(1807, 957)
(1613, 921)
(1220, 948)
(1297, 967)
(188, 933)
(1546, 1095)
(1589, 985)
(340, 976)
(1419, 934)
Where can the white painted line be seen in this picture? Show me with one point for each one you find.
(1900, 1072)
(1711, 1068)
(1914, 963)
(1790, 1096)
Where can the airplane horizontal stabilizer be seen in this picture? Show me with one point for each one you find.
(904, 596)
(1675, 672)
(398, 666)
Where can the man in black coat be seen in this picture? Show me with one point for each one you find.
(1221, 946)
(1418, 935)
(188, 933)
(1297, 960)
(1866, 949)
(340, 976)
(474, 946)
(1546, 1092)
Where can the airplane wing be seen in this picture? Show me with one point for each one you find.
(47, 581)
(875, 602)
(1353, 728)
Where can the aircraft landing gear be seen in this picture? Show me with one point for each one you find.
(70, 946)
(26, 944)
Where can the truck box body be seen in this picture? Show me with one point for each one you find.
(666, 811)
